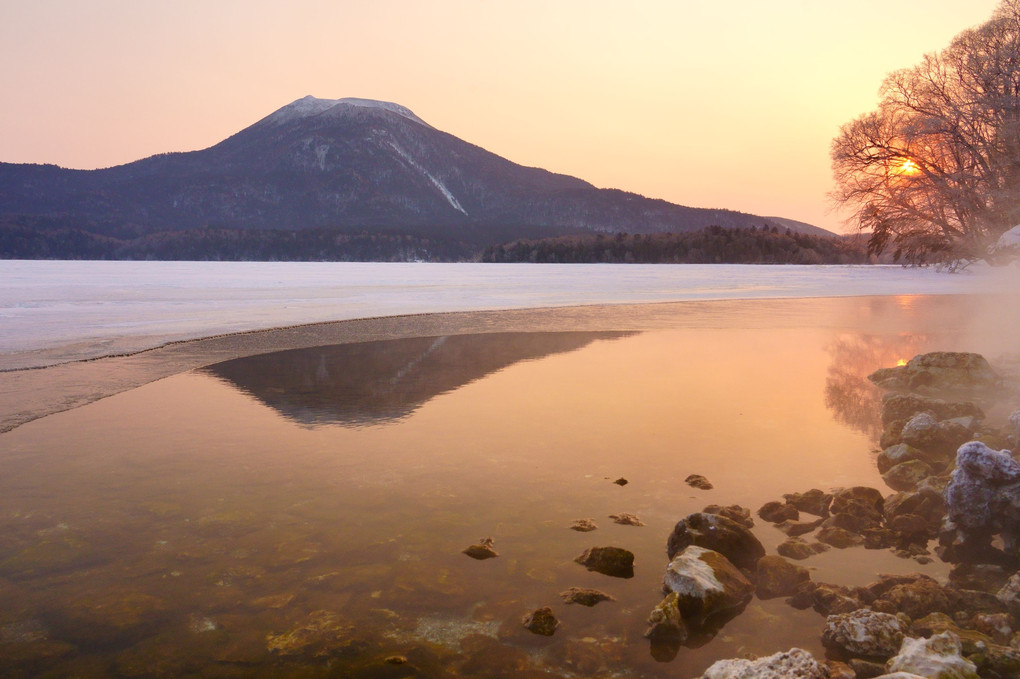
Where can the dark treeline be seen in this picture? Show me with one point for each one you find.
(714, 245)
(20, 241)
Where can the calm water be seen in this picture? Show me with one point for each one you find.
(303, 513)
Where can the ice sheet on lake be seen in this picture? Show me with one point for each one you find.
(92, 307)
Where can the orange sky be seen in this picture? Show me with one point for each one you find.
(729, 104)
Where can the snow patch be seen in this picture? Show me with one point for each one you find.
(320, 156)
(435, 182)
(309, 106)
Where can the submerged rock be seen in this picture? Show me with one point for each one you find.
(938, 657)
(799, 549)
(665, 621)
(583, 525)
(778, 577)
(614, 561)
(621, 481)
(482, 550)
(793, 664)
(718, 534)
(705, 583)
(698, 481)
(864, 633)
(865, 669)
(584, 596)
(840, 538)
(798, 528)
(625, 519)
(324, 633)
(541, 621)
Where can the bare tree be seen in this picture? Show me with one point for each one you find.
(934, 172)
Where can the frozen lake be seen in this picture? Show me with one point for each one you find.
(63, 310)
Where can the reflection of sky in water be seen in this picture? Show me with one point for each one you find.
(193, 519)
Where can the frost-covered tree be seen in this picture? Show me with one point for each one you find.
(934, 172)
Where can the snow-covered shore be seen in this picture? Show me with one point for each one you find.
(87, 309)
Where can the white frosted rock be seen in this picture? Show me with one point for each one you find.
(864, 633)
(984, 490)
(705, 583)
(793, 664)
(938, 657)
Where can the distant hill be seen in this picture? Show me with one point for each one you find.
(320, 179)
(800, 227)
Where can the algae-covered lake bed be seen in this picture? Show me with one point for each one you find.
(304, 512)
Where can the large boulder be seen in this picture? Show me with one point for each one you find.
(936, 658)
(793, 664)
(936, 437)
(916, 595)
(983, 499)
(864, 633)
(719, 534)
(705, 583)
(925, 502)
(938, 371)
(904, 406)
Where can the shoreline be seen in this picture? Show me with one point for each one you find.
(28, 394)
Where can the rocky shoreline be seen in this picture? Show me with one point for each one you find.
(955, 481)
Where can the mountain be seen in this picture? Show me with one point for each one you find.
(348, 169)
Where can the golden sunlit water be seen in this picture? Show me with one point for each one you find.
(303, 513)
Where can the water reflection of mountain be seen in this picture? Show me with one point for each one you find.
(375, 382)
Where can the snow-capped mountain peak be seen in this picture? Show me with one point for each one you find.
(309, 106)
